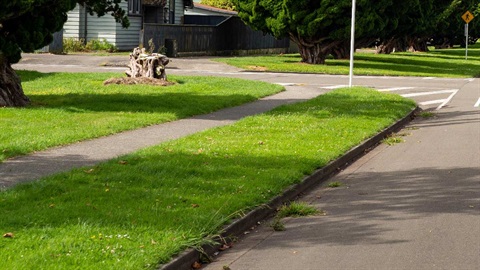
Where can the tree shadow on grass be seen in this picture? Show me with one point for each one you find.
(30, 75)
(180, 104)
(191, 189)
(411, 63)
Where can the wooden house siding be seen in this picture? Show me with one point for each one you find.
(179, 12)
(105, 27)
(74, 27)
(100, 28)
(129, 38)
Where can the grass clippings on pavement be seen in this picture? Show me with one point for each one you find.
(139, 210)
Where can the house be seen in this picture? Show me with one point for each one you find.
(81, 25)
(200, 14)
(181, 27)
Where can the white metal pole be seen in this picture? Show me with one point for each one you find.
(466, 41)
(352, 44)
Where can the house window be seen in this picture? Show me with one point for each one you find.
(134, 7)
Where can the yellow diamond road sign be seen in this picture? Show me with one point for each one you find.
(467, 16)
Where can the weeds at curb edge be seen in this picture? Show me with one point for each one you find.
(252, 218)
(294, 209)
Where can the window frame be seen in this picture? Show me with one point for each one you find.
(135, 7)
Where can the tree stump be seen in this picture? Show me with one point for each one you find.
(147, 65)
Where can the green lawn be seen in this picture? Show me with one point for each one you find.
(436, 63)
(139, 210)
(69, 107)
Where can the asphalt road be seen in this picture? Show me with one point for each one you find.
(412, 205)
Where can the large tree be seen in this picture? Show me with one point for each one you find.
(27, 25)
(409, 24)
(317, 27)
(417, 21)
(450, 25)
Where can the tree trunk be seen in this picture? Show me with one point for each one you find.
(311, 54)
(392, 45)
(341, 51)
(417, 44)
(11, 91)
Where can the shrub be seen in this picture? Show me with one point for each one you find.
(73, 45)
(100, 45)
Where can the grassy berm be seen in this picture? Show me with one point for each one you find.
(139, 210)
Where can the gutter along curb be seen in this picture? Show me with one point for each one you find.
(238, 227)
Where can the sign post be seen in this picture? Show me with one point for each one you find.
(467, 17)
(352, 45)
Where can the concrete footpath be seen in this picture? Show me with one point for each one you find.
(86, 153)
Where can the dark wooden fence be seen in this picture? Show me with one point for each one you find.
(229, 37)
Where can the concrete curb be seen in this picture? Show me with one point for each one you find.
(251, 219)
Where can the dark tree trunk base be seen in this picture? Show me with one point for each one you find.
(312, 55)
(11, 91)
(341, 51)
(417, 45)
(392, 45)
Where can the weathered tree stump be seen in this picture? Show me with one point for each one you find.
(147, 65)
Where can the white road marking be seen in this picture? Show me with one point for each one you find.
(430, 102)
(395, 89)
(428, 78)
(430, 93)
(442, 102)
(477, 104)
(447, 100)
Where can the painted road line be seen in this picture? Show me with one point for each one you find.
(430, 93)
(447, 100)
(395, 89)
(477, 104)
(430, 102)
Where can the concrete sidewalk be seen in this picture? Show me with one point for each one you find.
(86, 153)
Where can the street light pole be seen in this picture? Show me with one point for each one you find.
(352, 44)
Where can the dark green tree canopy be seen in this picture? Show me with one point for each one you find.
(317, 27)
(322, 27)
(27, 25)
